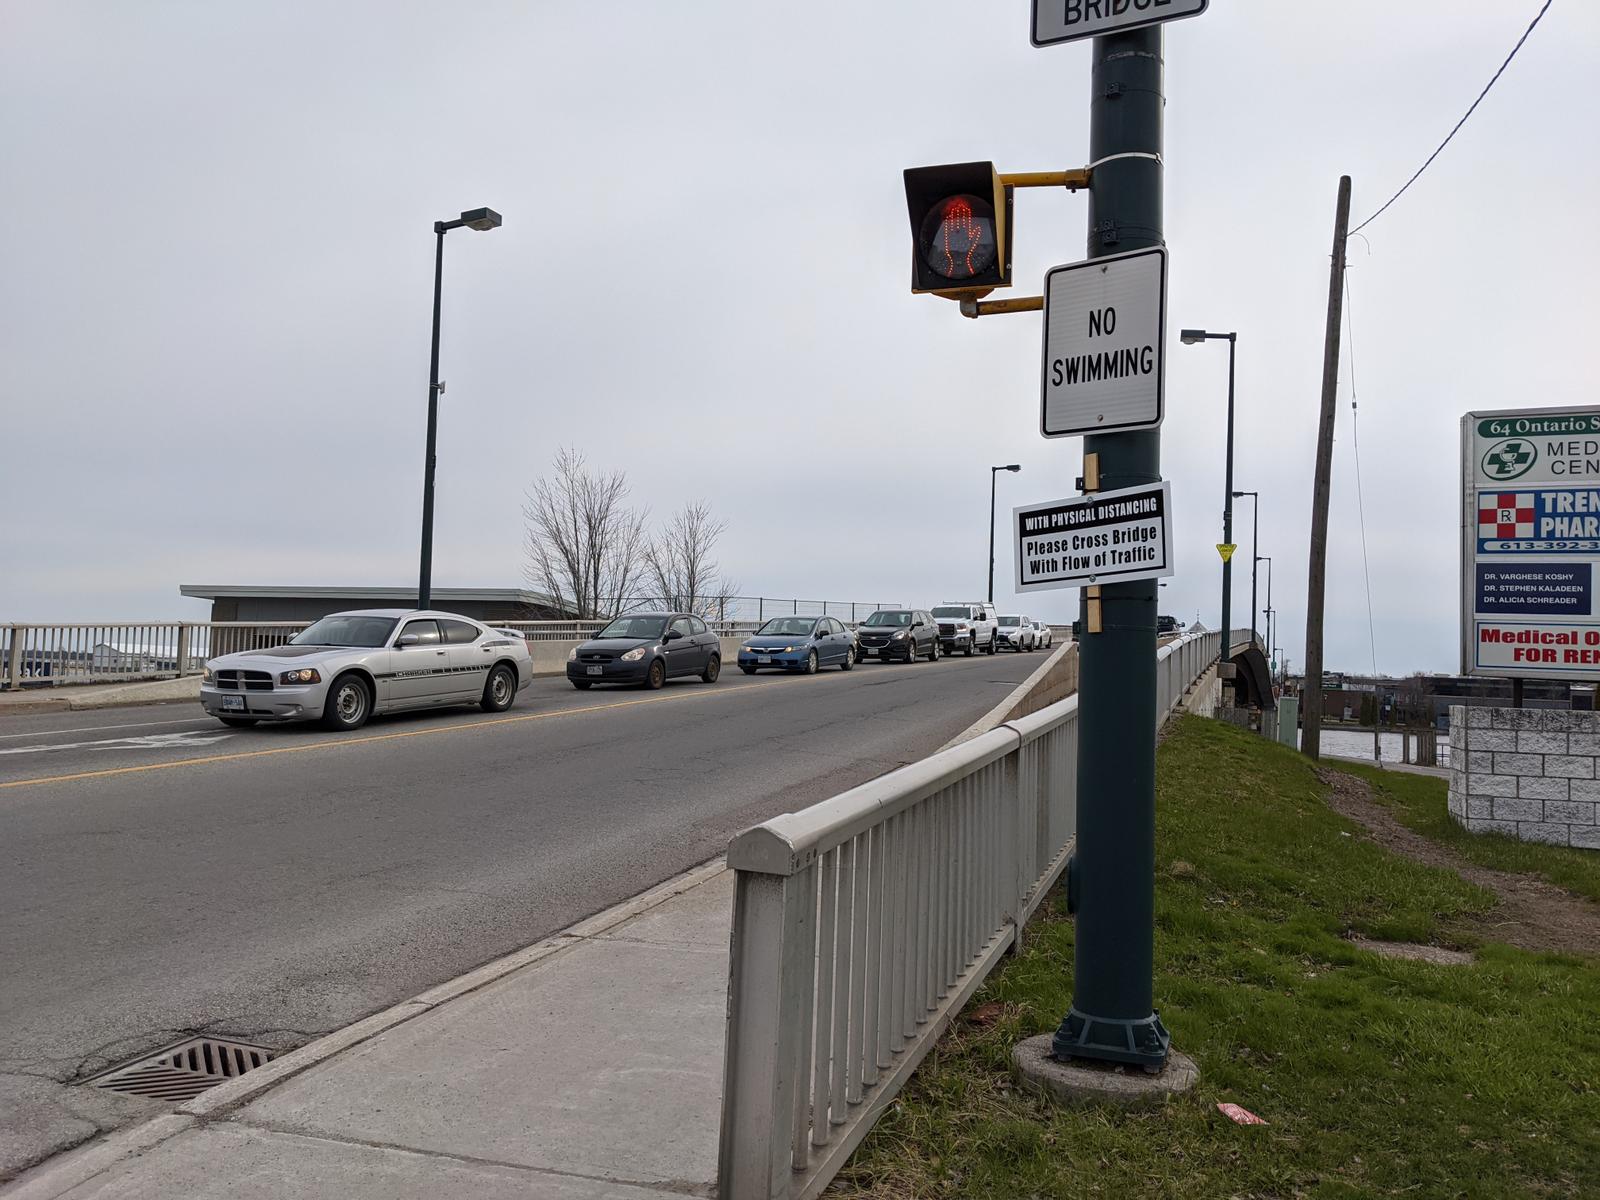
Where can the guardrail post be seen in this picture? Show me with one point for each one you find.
(14, 658)
(183, 650)
(768, 968)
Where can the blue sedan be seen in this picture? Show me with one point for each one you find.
(799, 644)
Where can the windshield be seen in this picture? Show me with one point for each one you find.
(789, 626)
(1010, 621)
(634, 627)
(953, 610)
(346, 631)
(889, 617)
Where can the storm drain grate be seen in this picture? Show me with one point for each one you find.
(183, 1071)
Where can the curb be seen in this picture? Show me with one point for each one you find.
(997, 715)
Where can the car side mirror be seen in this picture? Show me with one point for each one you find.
(672, 636)
(406, 639)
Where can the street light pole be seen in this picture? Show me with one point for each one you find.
(1189, 337)
(994, 473)
(477, 218)
(1255, 550)
(1267, 558)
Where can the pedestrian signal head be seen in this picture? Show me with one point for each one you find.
(960, 230)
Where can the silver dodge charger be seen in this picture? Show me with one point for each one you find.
(347, 666)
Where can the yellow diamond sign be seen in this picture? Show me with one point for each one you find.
(1226, 549)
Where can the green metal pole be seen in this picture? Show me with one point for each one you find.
(1112, 879)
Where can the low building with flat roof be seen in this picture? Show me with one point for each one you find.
(232, 602)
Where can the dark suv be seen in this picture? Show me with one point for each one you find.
(904, 633)
(1166, 625)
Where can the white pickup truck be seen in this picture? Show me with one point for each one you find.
(967, 628)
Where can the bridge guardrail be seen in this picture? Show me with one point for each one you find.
(862, 924)
(70, 654)
(125, 651)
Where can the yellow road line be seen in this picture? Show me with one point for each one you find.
(336, 743)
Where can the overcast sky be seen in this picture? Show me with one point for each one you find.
(217, 253)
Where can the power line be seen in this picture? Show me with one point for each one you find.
(1461, 122)
(1355, 448)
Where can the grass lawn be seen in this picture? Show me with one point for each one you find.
(1418, 801)
(1378, 1077)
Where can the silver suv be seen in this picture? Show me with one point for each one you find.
(966, 628)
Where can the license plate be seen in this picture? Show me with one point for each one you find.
(233, 704)
(763, 660)
(870, 653)
(597, 670)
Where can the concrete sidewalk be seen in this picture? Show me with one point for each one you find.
(1408, 768)
(101, 695)
(588, 1066)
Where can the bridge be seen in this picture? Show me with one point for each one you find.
(280, 883)
(1252, 680)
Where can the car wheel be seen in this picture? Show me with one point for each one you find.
(811, 662)
(348, 705)
(747, 670)
(238, 722)
(994, 646)
(911, 650)
(848, 661)
(500, 691)
(583, 685)
(933, 651)
(713, 669)
(968, 648)
(656, 676)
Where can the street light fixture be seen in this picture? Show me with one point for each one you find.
(481, 219)
(994, 473)
(1190, 337)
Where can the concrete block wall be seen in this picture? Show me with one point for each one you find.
(1530, 773)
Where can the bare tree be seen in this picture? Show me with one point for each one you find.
(585, 545)
(679, 567)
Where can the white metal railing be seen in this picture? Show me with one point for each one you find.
(36, 656)
(125, 651)
(566, 631)
(862, 924)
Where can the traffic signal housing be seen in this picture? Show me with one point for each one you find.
(960, 230)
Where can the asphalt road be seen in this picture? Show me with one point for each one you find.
(166, 876)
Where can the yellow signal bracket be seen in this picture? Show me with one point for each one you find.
(1071, 180)
(991, 308)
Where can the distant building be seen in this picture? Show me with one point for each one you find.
(231, 602)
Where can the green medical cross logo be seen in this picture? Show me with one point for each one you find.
(1508, 460)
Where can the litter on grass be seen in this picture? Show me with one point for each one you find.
(1239, 1116)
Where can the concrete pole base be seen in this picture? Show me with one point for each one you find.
(1082, 1081)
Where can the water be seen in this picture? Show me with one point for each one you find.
(1357, 743)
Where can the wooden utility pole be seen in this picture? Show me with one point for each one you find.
(1316, 582)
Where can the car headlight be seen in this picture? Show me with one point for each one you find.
(961, 626)
(303, 675)
(572, 655)
(634, 655)
(205, 675)
(900, 637)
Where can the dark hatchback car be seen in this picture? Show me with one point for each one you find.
(904, 633)
(647, 649)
